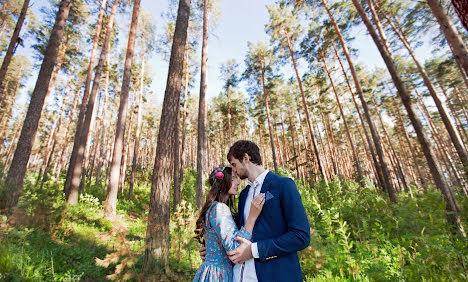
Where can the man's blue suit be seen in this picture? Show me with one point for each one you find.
(281, 230)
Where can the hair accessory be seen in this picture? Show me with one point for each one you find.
(218, 173)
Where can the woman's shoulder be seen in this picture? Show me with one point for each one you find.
(217, 207)
(221, 209)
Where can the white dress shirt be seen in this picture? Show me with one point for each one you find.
(246, 272)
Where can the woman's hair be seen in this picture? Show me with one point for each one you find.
(218, 193)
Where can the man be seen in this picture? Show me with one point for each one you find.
(281, 230)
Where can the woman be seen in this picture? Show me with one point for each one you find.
(216, 227)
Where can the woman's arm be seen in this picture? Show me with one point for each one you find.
(223, 223)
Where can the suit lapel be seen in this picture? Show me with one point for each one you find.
(243, 196)
(267, 182)
(242, 200)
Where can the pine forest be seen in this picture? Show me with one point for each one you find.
(113, 113)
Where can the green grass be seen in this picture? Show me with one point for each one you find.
(356, 235)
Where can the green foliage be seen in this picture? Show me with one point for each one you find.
(189, 187)
(358, 235)
(184, 248)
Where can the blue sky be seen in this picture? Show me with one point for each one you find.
(242, 21)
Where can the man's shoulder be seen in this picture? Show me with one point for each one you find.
(280, 180)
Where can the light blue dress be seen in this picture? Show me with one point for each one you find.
(220, 232)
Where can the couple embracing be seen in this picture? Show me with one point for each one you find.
(260, 242)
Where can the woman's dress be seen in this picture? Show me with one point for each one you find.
(220, 232)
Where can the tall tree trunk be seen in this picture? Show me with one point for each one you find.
(270, 129)
(84, 100)
(454, 39)
(6, 107)
(378, 145)
(458, 123)
(105, 140)
(454, 136)
(49, 153)
(375, 163)
(126, 149)
(292, 130)
(12, 46)
(179, 175)
(461, 8)
(283, 137)
(10, 151)
(136, 146)
(156, 260)
(111, 200)
(176, 179)
(67, 132)
(14, 181)
(277, 143)
(393, 152)
(202, 120)
(437, 136)
(329, 134)
(452, 208)
(182, 149)
(348, 134)
(77, 165)
(309, 126)
(57, 68)
(410, 146)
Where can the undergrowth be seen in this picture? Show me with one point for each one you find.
(356, 235)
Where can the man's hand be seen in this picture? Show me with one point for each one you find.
(242, 253)
(202, 252)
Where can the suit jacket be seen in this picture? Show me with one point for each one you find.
(281, 230)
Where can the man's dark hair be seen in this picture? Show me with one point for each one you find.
(241, 147)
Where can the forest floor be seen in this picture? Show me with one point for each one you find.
(356, 235)
(46, 240)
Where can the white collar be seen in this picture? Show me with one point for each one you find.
(259, 180)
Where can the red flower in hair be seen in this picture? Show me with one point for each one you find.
(219, 175)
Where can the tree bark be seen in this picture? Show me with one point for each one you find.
(375, 164)
(156, 260)
(410, 146)
(390, 144)
(378, 144)
(67, 132)
(452, 208)
(461, 8)
(136, 146)
(180, 174)
(126, 149)
(14, 181)
(311, 136)
(72, 192)
(84, 100)
(348, 134)
(12, 46)
(454, 39)
(111, 200)
(270, 129)
(454, 136)
(202, 119)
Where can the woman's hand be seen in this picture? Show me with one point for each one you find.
(257, 205)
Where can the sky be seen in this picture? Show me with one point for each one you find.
(242, 21)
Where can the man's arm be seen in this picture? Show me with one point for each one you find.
(298, 236)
